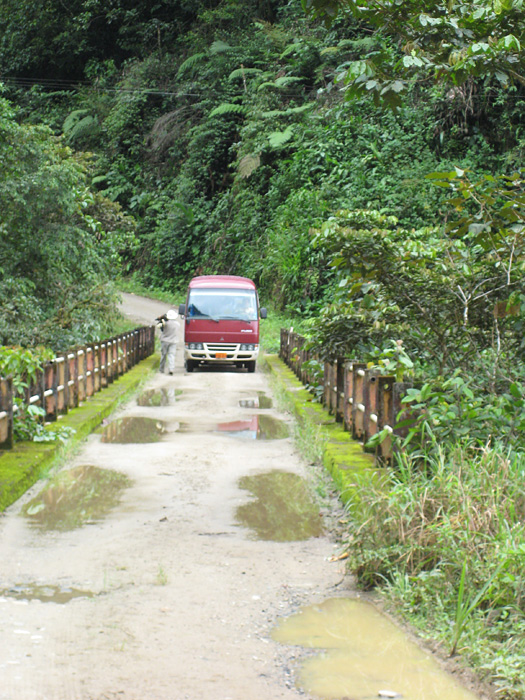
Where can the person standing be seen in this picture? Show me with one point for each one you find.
(169, 335)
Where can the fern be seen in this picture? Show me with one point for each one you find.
(267, 84)
(73, 119)
(248, 164)
(190, 62)
(227, 108)
(288, 112)
(242, 72)
(291, 48)
(79, 124)
(86, 127)
(278, 138)
(285, 80)
(219, 47)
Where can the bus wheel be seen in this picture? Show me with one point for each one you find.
(190, 364)
(250, 366)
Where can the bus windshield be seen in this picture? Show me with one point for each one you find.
(217, 304)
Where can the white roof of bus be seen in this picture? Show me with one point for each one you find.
(224, 281)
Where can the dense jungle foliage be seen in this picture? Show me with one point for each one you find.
(363, 163)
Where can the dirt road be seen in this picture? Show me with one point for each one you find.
(135, 578)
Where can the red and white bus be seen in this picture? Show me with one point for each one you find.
(221, 322)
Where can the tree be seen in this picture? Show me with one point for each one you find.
(448, 43)
(56, 256)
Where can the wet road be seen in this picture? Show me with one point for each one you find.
(179, 555)
(146, 569)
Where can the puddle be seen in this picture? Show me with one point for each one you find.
(283, 511)
(255, 428)
(364, 653)
(259, 401)
(133, 429)
(45, 594)
(76, 497)
(159, 397)
(252, 428)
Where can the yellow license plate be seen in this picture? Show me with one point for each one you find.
(220, 355)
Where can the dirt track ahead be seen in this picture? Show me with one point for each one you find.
(170, 597)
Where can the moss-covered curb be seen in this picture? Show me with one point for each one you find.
(350, 467)
(22, 466)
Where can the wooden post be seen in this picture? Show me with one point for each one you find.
(50, 396)
(370, 401)
(110, 346)
(385, 414)
(104, 364)
(73, 379)
(82, 373)
(339, 398)
(348, 377)
(358, 407)
(6, 414)
(62, 366)
(90, 370)
(97, 375)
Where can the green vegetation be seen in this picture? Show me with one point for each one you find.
(363, 163)
(447, 544)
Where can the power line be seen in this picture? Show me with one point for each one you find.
(58, 84)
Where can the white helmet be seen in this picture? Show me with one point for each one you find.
(172, 314)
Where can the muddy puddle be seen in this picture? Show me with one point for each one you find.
(283, 510)
(364, 656)
(252, 428)
(76, 497)
(45, 594)
(255, 428)
(159, 397)
(259, 401)
(133, 430)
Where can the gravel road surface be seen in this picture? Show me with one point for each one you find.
(131, 575)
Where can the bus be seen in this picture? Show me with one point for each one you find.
(221, 322)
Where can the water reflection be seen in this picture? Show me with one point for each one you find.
(283, 511)
(166, 396)
(256, 428)
(133, 429)
(251, 428)
(45, 594)
(75, 497)
(366, 654)
(259, 401)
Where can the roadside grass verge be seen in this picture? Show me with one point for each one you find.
(444, 543)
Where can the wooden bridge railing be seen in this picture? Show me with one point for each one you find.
(365, 401)
(70, 378)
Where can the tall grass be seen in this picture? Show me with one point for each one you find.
(447, 542)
